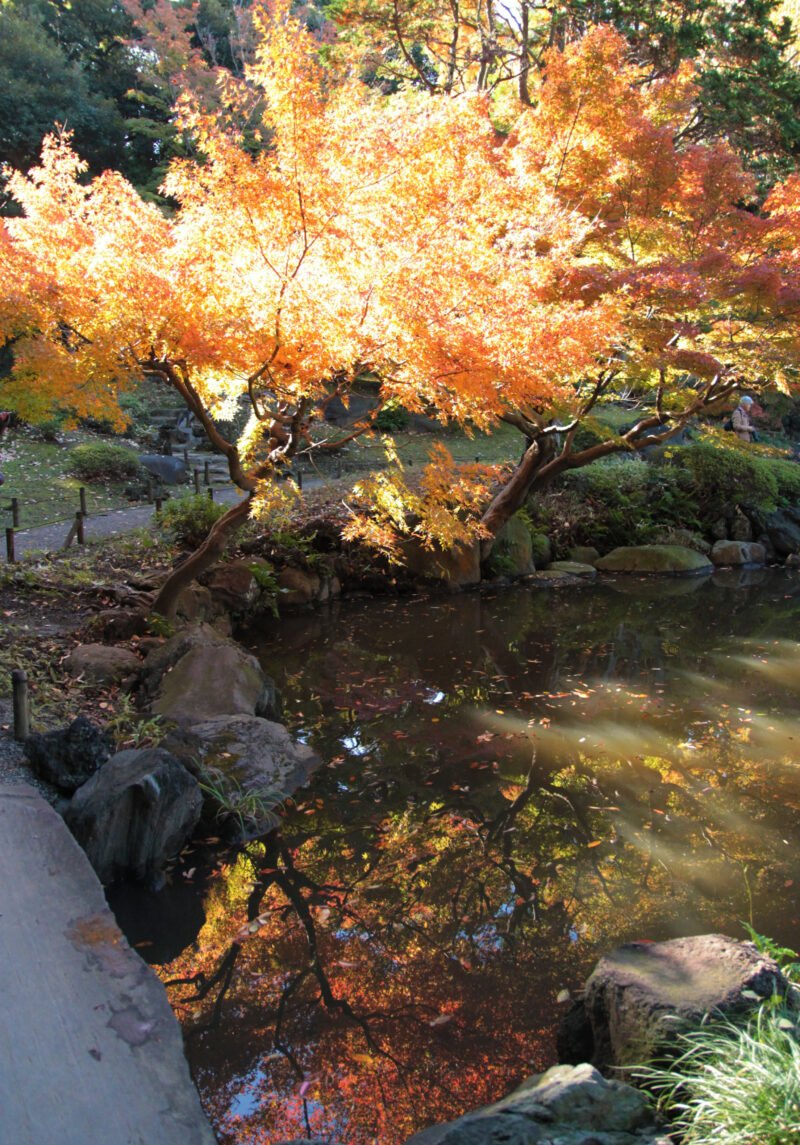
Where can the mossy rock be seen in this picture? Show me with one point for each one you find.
(574, 568)
(674, 560)
(514, 547)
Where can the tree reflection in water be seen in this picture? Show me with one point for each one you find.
(516, 784)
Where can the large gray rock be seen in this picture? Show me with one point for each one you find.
(584, 554)
(567, 1105)
(515, 546)
(102, 663)
(672, 559)
(198, 674)
(68, 757)
(783, 529)
(135, 813)
(233, 586)
(243, 757)
(213, 681)
(457, 567)
(738, 553)
(642, 996)
(169, 470)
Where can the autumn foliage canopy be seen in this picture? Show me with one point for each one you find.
(484, 275)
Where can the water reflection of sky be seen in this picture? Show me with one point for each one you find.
(515, 784)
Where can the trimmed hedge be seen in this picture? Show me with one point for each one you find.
(102, 461)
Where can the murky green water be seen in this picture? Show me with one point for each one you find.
(517, 783)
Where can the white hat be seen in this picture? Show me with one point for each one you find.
(746, 401)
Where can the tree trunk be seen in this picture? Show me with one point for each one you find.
(203, 558)
(514, 493)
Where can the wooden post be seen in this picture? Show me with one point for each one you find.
(22, 715)
(15, 512)
(150, 489)
(210, 494)
(79, 528)
(10, 546)
(206, 474)
(82, 495)
(158, 506)
(197, 480)
(299, 480)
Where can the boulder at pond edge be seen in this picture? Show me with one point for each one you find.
(567, 1105)
(251, 763)
(640, 997)
(674, 560)
(135, 813)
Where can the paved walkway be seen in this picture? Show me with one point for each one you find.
(50, 538)
(91, 1052)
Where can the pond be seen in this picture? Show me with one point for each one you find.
(516, 783)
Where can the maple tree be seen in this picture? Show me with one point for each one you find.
(748, 83)
(482, 277)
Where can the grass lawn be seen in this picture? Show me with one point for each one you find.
(36, 474)
(413, 447)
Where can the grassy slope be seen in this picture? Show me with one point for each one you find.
(36, 473)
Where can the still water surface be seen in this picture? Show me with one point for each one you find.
(515, 784)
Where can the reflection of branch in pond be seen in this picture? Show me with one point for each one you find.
(288, 880)
(281, 873)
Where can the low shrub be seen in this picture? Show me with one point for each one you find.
(625, 501)
(722, 477)
(102, 461)
(392, 418)
(189, 519)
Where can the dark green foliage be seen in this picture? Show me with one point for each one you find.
(189, 519)
(102, 461)
(722, 477)
(625, 501)
(392, 417)
(43, 84)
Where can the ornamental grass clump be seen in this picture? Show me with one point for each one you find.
(735, 1084)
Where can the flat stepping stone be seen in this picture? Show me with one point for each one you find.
(573, 568)
(92, 1053)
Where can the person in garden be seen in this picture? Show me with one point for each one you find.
(742, 426)
(5, 422)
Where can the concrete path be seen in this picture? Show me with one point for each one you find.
(90, 1051)
(50, 538)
